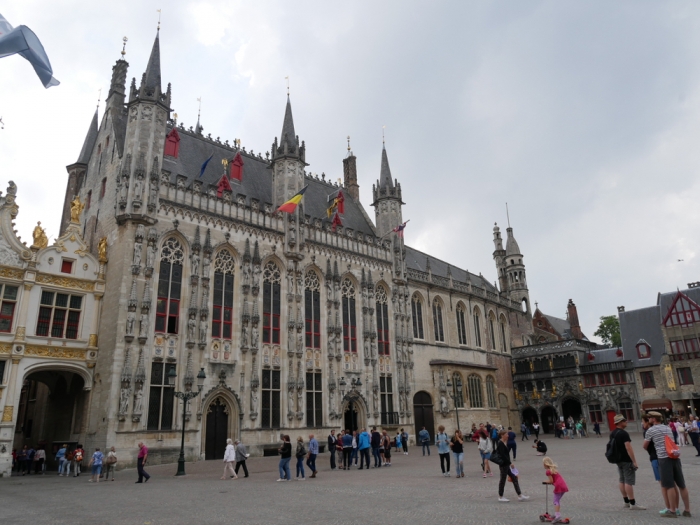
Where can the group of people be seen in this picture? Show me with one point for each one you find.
(67, 459)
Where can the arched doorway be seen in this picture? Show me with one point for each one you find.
(354, 413)
(571, 407)
(51, 411)
(217, 429)
(530, 416)
(423, 412)
(548, 419)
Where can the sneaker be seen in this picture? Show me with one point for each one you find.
(301, 479)
(484, 474)
(637, 507)
(281, 479)
(447, 475)
(523, 497)
(557, 519)
(503, 500)
(667, 514)
(686, 513)
(626, 506)
(491, 474)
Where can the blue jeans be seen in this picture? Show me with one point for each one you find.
(376, 456)
(311, 463)
(353, 456)
(96, 470)
(512, 445)
(426, 445)
(655, 468)
(300, 467)
(364, 457)
(284, 469)
(459, 462)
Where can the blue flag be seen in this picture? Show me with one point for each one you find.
(22, 40)
(204, 166)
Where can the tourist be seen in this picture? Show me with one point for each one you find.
(397, 441)
(78, 454)
(96, 464)
(229, 458)
(60, 458)
(382, 449)
(339, 447)
(536, 429)
(141, 460)
(15, 463)
(457, 446)
(540, 446)
(670, 469)
(512, 444)
(506, 469)
(69, 461)
(680, 428)
(111, 463)
(672, 426)
(626, 462)
(695, 434)
(442, 442)
(40, 461)
(353, 457)
(424, 437)
(523, 430)
(485, 449)
(347, 450)
(494, 436)
(30, 459)
(363, 445)
(387, 449)
(311, 458)
(285, 457)
(22, 460)
(375, 441)
(241, 456)
(300, 454)
(404, 441)
(653, 458)
(331, 447)
(579, 429)
(558, 484)
(584, 425)
(596, 429)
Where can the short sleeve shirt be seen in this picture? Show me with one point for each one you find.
(656, 436)
(143, 451)
(97, 458)
(622, 437)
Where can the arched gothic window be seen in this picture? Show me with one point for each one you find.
(382, 309)
(475, 397)
(461, 325)
(437, 322)
(458, 391)
(504, 340)
(271, 303)
(492, 330)
(417, 311)
(477, 327)
(349, 317)
(222, 313)
(490, 392)
(312, 309)
(169, 286)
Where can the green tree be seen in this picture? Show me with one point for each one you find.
(609, 330)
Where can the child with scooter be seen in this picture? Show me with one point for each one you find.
(559, 489)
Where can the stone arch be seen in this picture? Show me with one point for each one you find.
(273, 258)
(231, 399)
(352, 278)
(354, 410)
(179, 236)
(76, 368)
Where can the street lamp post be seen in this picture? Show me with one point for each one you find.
(454, 396)
(185, 396)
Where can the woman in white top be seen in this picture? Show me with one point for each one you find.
(111, 463)
(229, 460)
(680, 428)
(485, 449)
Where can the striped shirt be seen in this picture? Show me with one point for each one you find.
(656, 435)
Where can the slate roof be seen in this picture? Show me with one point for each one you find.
(512, 247)
(257, 179)
(416, 260)
(665, 300)
(643, 323)
(385, 173)
(606, 355)
(89, 143)
(562, 326)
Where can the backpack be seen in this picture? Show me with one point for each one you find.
(671, 448)
(494, 433)
(611, 452)
(78, 456)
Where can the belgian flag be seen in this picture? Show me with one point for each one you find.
(292, 203)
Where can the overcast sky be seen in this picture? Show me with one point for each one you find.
(583, 116)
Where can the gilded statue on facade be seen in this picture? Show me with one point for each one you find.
(40, 238)
(76, 208)
(102, 249)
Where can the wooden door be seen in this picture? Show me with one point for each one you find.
(217, 430)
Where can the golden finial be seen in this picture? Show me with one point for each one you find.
(287, 79)
(175, 117)
(224, 163)
(125, 40)
(158, 19)
(348, 143)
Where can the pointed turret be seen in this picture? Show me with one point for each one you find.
(512, 247)
(387, 199)
(385, 180)
(511, 269)
(288, 134)
(150, 84)
(499, 257)
(288, 161)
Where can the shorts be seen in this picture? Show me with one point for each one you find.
(671, 473)
(627, 472)
(485, 455)
(655, 468)
(96, 470)
(557, 497)
(387, 453)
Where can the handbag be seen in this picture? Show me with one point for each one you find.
(671, 448)
(496, 458)
(111, 460)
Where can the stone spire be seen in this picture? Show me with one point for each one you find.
(152, 78)
(387, 199)
(288, 161)
(385, 180)
(89, 142)
(288, 136)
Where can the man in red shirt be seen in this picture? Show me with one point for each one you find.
(141, 462)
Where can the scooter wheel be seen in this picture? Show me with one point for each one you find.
(542, 518)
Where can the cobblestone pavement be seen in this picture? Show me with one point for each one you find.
(411, 491)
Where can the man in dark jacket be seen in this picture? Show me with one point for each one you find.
(332, 440)
(241, 456)
(376, 441)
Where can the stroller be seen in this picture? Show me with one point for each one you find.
(547, 517)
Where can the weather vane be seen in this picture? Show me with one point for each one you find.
(348, 142)
(99, 96)
(383, 141)
(158, 19)
(287, 79)
(2, 124)
(125, 40)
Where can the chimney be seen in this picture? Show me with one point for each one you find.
(620, 309)
(350, 176)
(573, 320)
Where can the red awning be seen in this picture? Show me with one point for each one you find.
(657, 404)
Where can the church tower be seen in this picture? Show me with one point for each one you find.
(510, 267)
(288, 161)
(387, 199)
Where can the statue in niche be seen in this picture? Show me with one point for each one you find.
(76, 208)
(123, 189)
(130, 320)
(290, 400)
(290, 280)
(124, 400)
(300, 400)
(329, 290)
(152, 193)
(203, 331)
(300, 285)
(137, 254)
(138, 185)
(443, 404)
(195, 263)
(138, 401)
(256, 274)
(40, 238)
(191, 328)
(143, 329)
(205, 266)
(244, 335)
(253, 402)
(205, 297)
(331, 401)
(150, 254)
(292, 235)
(246, 274)
(254, 337)
(375, 399)
(367, 354)
(102, 249)
(300, 342)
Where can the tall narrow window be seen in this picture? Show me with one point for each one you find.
(87, 201)
(169, 287)
(312, 310)
(417, 311)
(222, 313)
(490, 392)
(314, 400)
(457, 390)
(388, 416)
(271, 304)
(437, 322)
(461, 325)
(382, 320)
(271, 398)
(59, 315)
(504, 341)
(103, 187)
(349, 317)
(161, 398)
(492, 331)
(477, 327)
(475, 397)
(7, 310)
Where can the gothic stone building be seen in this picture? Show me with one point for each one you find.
(298, 327)
(50, 302)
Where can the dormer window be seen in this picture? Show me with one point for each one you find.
(237, 168)
(172, 143)
(643, 350)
